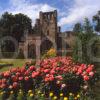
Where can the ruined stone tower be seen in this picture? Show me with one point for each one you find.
(48, 22)
(45, 29)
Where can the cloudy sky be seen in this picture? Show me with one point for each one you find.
(69, 11)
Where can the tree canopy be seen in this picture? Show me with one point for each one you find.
(14, 25)
(84, 32)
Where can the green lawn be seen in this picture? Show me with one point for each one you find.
(15, 62)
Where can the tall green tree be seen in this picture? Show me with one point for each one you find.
(84, 36)
(87, 27)
(96, 19)
(15, 26)
(6, 21)
(22, 23)
(77, 28)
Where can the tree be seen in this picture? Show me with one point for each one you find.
(87, 27)
(77, 28)
(6, 21)
(85, 34)
(96, 19)
(14, 25)
(22, 23)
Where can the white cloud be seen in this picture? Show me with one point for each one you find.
(30, 9)
(79, 10)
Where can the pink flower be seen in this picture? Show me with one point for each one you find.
(46, 79)
(20, 78)
(59, 77)
(15, 84)
(91, 73)
(35, 74)
(32, 68)
(26, 78)
(86, 78)
(3, 86)
(51, 78)
(14, 78)
(89, 69)
(52, 72)
(17, 74)
(63, 85)
(46, 70)
(7, 74)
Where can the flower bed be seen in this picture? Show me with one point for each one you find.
(55, 78)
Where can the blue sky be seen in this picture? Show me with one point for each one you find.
(69, 11)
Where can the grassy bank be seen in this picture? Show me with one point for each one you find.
(15, 62)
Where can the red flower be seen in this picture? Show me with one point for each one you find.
(35, 74)
(1, 74)
(80, 70)
(14, 78)
(51, 78)
(23, 70)
(4, 80)
(52, 72)
(59, 77)
(17, 74)
(89, 69)
(32, 68)
(86, 78)
(91, 73)
(27, 72)
(26, 78)
(46, 70)
(0, 81)
(15, 85)
(7, 74)
(3, 86)
(58, 68)
(46, 79)
(13, 69)
(20, 78)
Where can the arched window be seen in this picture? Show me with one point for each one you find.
(45, 46)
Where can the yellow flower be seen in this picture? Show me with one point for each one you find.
(11, 92)
(42, 95)
(1, 93)
(55, 98)
(70, 94)
(20, 92)
(31, 95)
(30, 91)
(39, 92)
(51, 51)
(51, 94)
(65, 98)
(75, 98)
(78, 96)
(61, 94)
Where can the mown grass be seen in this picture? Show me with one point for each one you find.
(15, 62)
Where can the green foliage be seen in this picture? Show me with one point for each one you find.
(20, 96)
(12, 97)
(14, 26)
(85, 34)
(96, 19)
(77, 28)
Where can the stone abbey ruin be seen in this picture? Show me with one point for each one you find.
(47, 34)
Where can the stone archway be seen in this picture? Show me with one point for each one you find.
(31, 51)
(45, 46)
